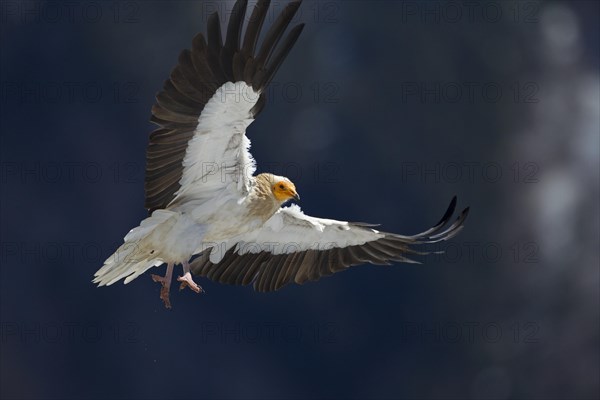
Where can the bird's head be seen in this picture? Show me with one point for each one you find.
(283, 190)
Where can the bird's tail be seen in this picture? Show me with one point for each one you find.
(136, 255)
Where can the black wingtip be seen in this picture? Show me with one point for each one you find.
(464, 213)
(435, 233)
(453, 230)
(277, 59)
(276, 31)
(448, 213)
(232, 40)
(255, 24)
(234, 29)
(215, 40)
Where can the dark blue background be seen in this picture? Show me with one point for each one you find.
(373, 118)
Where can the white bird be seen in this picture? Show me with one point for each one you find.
(203, 197)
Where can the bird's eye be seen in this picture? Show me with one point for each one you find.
(281, 187)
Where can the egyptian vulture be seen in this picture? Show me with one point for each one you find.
(208, 211)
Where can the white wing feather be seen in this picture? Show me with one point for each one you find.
(218, 154)
(290, 230)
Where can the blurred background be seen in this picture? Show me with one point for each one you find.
(382, 112)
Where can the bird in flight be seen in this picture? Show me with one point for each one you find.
(203, 198)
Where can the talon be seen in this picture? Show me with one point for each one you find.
(165, 282)
(187, 281)
(164, 296)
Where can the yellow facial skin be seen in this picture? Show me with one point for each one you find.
(284, 191)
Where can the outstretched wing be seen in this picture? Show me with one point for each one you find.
(293, 247)
(211, 97)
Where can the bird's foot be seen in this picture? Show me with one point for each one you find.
(165, 282)
(187, 281)
(164, 290)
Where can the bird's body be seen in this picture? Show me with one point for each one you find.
(203, 195)
(177, 233)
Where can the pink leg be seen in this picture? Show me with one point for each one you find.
(165, 281)
(187, 281)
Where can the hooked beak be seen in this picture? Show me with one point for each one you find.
(296, 197)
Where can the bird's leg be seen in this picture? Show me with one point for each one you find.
(165, 281)
(187, 281)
